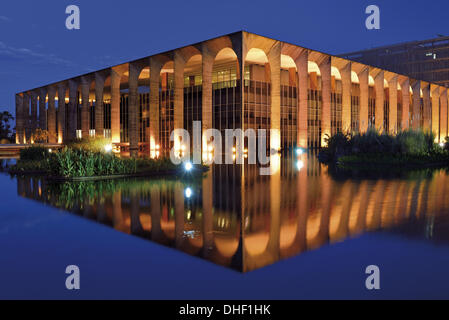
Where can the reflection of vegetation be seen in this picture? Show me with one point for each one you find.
(379, 172)
(413, 148)
(68, 194)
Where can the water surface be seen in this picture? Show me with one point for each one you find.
(238, 219)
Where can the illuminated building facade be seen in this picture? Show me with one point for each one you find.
(241, 80)
(426, 60)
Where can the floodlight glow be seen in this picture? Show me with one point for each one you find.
(441, 144)
(299, 151)
(188, 192)
(299, 165)
(108, 148)
(188, 166)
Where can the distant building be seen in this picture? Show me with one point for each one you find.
(426, 60)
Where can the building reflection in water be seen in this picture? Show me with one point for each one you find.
(240, 219)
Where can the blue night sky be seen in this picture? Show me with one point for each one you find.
(37, 49)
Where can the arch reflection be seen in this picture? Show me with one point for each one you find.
(237, 218)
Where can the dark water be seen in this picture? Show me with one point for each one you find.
(330, 224)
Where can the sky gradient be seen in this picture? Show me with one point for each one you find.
(37, 49)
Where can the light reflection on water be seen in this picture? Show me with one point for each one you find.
(239, 219)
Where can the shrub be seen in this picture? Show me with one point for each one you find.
(93, 144)
(40, 136)
(408, 142)
(82, 163)
(34, 153)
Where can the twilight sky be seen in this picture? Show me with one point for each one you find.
(37, 49)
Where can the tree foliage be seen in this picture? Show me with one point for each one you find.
(6, 131)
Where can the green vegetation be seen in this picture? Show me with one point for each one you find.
(7, 134)
(40, 136)
(71, 163)
(79, 162)
(408, 148)
(34, 153)
(93, 144)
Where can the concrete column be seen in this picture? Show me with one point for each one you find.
(155, 74)
(33, 116)
(303, 85)
(61, 114)
(179, 64)
(51, 120)
(115, 106)
(346, 98)
(42, 109)
(416, 87)
(427, 113)
(379, 113)
(20, 128)
(443, 113)
(405, 88)
(436, 111)
(26, 117)
(85, 87)
(274, 58)
(99, 108)
(325, 69)
(208, 58)
(393, 112)
(364, 95)
(73, 105)
(133, 110)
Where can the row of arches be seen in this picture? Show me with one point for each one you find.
(237, 81)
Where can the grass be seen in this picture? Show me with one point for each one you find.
(408, 148)
(81, 162)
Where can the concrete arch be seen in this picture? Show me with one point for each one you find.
(300, 58)
(220, 69)
(312, 67)
(261, 74)
(272, 51)
(335, 72)
(354, 77)
(288, 234)
(192, 75)
(225, 56)
(319, 68)
(251, 41)
(256, 244)
(226, 241)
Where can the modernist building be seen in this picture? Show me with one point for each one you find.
(240, 80)
(426, 60)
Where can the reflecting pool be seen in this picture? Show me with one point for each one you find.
(237, 218)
